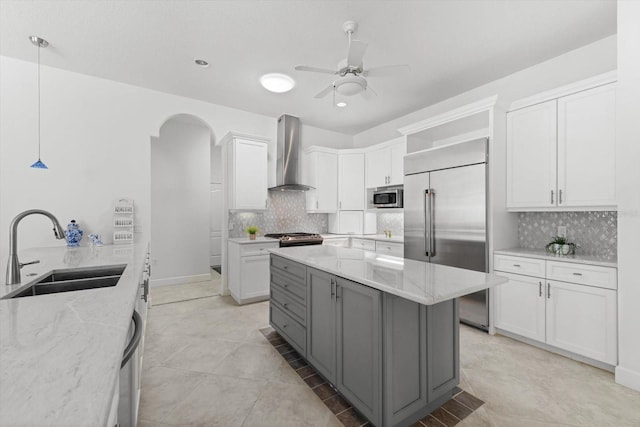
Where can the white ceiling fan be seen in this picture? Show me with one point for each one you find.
(351, 71)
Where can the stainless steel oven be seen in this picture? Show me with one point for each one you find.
(388, 198)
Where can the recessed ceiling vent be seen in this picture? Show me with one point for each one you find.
(288, 154)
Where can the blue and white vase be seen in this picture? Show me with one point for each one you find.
(73, 235)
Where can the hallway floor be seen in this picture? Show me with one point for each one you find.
(206, 363)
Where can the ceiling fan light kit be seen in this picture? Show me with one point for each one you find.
(351, 71)
(277, 82)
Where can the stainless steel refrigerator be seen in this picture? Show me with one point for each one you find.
(445, 214)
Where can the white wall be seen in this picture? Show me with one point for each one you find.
(180, 175)
(587, 61)
(96, 142)
(628, 193)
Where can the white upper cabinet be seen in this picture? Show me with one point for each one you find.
(531, 156)
(561, 153)
(586, 148)
(321, 169)
(351, 190)
(385, 163)
(246, 172)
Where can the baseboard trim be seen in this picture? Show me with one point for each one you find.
(180, 280)
(628, 378)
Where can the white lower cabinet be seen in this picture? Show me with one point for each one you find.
(249, 271)
(390, 248)
(579, 317)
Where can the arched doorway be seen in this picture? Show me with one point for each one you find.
(181, 211)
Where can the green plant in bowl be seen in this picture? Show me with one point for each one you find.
(561, 246)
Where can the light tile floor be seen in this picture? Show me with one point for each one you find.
(187, 291)
(206, 363)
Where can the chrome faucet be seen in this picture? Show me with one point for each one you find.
(13, 265)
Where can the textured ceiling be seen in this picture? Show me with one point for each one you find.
(451, 46)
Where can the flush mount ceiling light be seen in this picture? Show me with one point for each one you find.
(341, 104)
(276, 82)
(39, 42)
(202, 63)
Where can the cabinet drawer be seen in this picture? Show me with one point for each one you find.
(289, 284)
(290, 267)
(389, 248)
(519, 265)
(288, 304)
(592, 275)
(368, 245)
(292, 331)
(250, 249)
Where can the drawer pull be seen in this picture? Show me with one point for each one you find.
(285, 325)
(577, 274)
(285, 305)
(516, 265)
(539, 289)
(285, 285)
(285, 267)
(548, 290)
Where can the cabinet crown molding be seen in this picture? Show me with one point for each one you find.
(235, 135)
(449, 116)
(579, 86)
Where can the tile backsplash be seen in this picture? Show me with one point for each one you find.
(286, 212)
(595, 233)
(393, 221)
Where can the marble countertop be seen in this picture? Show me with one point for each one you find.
(247, 241)
(60, 353)
(416, 281)
(380, 237)
(543, 254)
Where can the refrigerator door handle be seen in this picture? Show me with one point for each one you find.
(427, 222)
(432, 235)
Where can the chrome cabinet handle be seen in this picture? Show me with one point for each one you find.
(548, 290)
(577, 274)
(316, 204)
(539, 289)
(516, 265)
(551, 196)
(560, 197)
(331, 288)
(285, 305)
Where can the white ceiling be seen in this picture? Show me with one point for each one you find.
(450, 45)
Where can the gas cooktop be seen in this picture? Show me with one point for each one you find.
(296, 239)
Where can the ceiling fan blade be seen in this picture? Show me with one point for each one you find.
(315, 69)
(356, 52)
(368, 93)
(386, 70)
(324, 92)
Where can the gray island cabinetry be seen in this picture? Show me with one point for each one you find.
(382, 330)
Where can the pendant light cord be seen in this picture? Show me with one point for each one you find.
(39, 101)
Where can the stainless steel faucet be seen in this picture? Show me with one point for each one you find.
(14, 265)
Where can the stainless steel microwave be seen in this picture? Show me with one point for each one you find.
(388, 198)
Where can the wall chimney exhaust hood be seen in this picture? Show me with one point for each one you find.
(288, 150)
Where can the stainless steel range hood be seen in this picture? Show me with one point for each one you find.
(288, 150)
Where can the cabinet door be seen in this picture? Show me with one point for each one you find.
(520, 306)
(254, 276)
(390, 248)
(377, 167)
(351, 180)
(327, 183)
(586, 148)
(359, 349)
(582, 319)
(249, 175)
(321, 323)
(396, 174)
(531, 156)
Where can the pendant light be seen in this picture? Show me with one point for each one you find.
(39, 42)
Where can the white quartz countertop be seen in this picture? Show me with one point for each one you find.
(247, 241)
(60, 354)
(380, 237)
(417, 281)
(542, 254)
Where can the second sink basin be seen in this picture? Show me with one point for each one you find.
(72, 280)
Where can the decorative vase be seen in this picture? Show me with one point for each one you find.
(73, 235)
(252, 236)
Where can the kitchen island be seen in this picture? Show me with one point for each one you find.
(60, 353)
(383, 330)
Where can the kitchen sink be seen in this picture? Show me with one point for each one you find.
(76, 279)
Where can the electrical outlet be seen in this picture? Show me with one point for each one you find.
(562, 231)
